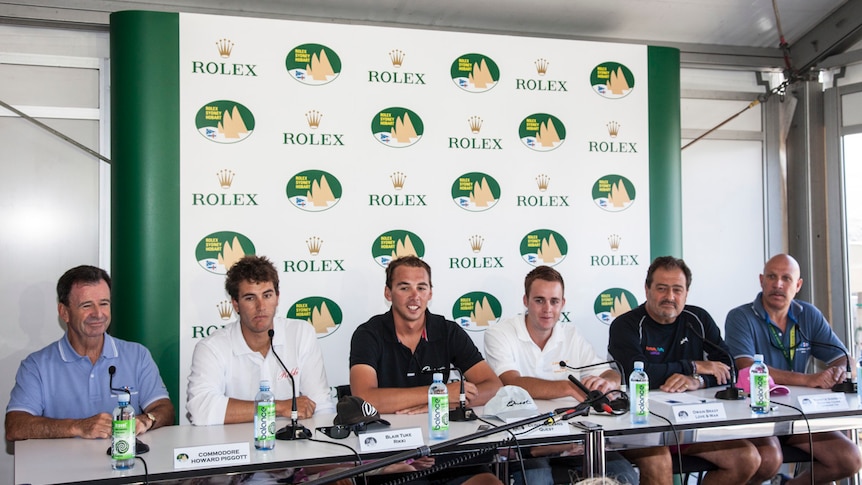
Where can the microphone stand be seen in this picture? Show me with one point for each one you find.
(595, 398)
(462, 412)
(732, 393)
(848, 386)
(294, 430)
(426, 450)
(140, 446)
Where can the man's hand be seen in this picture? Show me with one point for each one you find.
(597, 383)
(827, 378)
(304, 407)
(98, 426)
(720, 370)
(680, 383)
(418, 409)
(470, 391)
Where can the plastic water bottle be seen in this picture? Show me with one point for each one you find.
(639, 388)
(264, 418)
(123, 434)
(438, 409)
(759, 376)
(858, 384)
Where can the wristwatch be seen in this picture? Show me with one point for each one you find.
(152, 420)
(700, 382)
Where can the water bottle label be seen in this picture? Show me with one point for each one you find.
(438, 406)
(641, 397)
(264, 422)
(123, 443)
(760, 388)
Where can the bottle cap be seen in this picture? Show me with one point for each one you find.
(758, 357)
(264, 384)
(639, 365)
(123, 398)
(438, 377)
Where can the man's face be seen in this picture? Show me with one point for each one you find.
(410, 293)
(780, 282)
(89, 311)
(544, 304)
(666, 297)
(256, 306)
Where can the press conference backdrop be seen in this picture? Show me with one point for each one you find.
(332, 149)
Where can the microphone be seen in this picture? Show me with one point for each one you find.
(848, 386)
(462, 412)
(293, 431)
(732, 393)
(596, 398)
(140, 446)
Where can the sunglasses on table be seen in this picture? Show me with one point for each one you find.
(341, 431)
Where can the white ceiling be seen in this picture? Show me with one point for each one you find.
(740, 28)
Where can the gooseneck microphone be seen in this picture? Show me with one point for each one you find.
(847, 386)
(596, 398)
(140, 446)
(462, 412)
(732, 393)
(294, 430)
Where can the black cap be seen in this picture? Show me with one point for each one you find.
(355, 410)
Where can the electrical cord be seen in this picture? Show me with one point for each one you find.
(461, 458)
(675, 439)
(810, 438)
(358, 461)
(146, 470)
(517, 447)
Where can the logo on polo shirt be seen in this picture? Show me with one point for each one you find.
(224, 121)
(612, 80)
(322, 313)
(475, 191)
(394, 244)
(313, 190)
(474, 73)
(217, 252)
(612, 303)
(613, 193)
(313, 64)
(544, 247)
(476, 310)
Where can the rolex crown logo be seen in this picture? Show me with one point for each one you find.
(542, 181)
(613, 129)
(314, 243)
(225, 310)
(397, 57)
(475, 124)
(398, 180)
(614, 241)
(476, 243)
(542, 66)
(313, 117)
(225, 178)
(225, 46)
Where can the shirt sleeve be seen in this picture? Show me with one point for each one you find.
(365, 348)
(499, 351)
(465, 354)
(150, 384)
(207, 402)
(313, 383)
(27, 393)
(820, 331)
(740, 335)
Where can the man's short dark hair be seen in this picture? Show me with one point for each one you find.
(411, 261)
(544, 273)
(254, 269)
(85, 274)
(668, 263)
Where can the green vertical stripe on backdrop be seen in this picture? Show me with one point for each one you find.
(665, 171)
(145, 185)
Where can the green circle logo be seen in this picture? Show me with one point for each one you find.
(397, 127)
(313, 190)
(322, 313)
(217, 252)
(612, 80)
(613, 193)
(475, 192)
(475, 73)
(224, 121)
(612, 303)
(476, 311)
(542, 132)
(394, 244)
(544, 247)
(313, 64)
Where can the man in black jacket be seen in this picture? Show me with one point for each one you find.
(670, 337)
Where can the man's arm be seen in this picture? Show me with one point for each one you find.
(162, 410)
(387, 400)
(22, 426)
(487, 383)
(240, 411)
(541, 388)
(823, 379)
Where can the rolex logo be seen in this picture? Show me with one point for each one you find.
(313, 117)
(476, 242)
(542, 66)
(397, 57)
(314, 243)
(613, 129)
(398, 179)
(542, 181)
(225, 178)
(614, 241)
(475, 124)
(225, 46)
(225, 310)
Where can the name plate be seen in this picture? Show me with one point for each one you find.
(823, 402)
(559, 428)
(391, 439)
(696, 413)
(211, 455)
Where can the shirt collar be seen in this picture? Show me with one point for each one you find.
(68, 354)
(793, 313)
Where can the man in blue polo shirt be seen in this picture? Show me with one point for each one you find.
(63, 390)
(788, 333)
